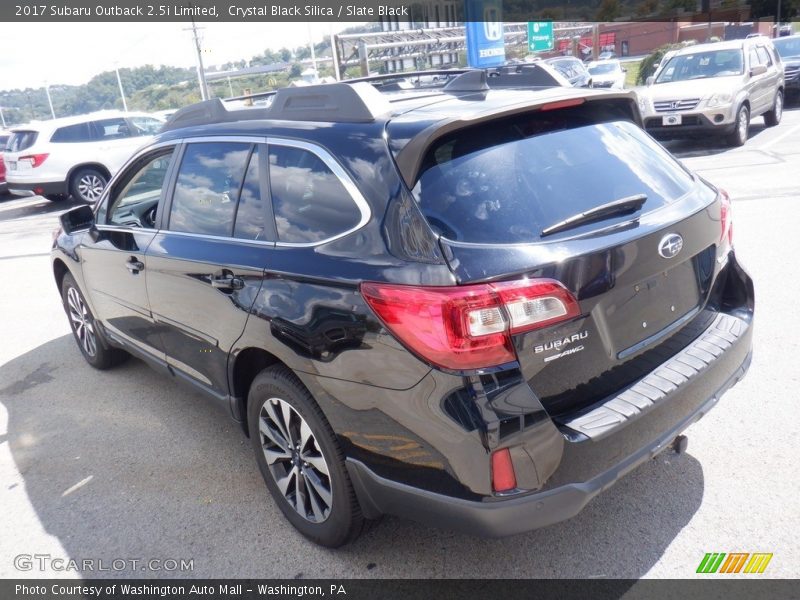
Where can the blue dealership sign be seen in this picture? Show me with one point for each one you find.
(485, 40)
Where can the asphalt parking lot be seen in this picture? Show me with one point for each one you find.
(125, 464)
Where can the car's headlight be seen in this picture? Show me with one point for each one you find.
(719, 100)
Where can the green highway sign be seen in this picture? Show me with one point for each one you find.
(540, 36)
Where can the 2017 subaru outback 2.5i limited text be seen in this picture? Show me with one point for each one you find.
(471, 306)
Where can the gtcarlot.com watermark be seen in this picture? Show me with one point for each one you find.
(48, 562)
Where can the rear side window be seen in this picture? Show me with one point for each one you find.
(208, 184)
(80, 132)
(507, 181)
(763, 56)
(21, 140)
(309, 200)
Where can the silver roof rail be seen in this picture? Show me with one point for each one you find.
(330, 102)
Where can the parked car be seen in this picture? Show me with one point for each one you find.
(476, 307)
(4, 135)
(607, 74)
(572, 69)
(607, 55)
(74, 155)
(715, 89)
(788, 49)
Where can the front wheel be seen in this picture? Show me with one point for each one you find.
(300, 459)
(93, 347)
(742, 128)
(773, 117)
(87, 185)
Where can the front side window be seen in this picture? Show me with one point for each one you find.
(134, 201)
(309, 201)
(763, 56)
(144, 126)
(207, 188)
(112, 129)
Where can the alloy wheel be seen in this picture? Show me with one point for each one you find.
(743, 124)
(82, 322)
(295, 460)
(91, 187)
(778, 107)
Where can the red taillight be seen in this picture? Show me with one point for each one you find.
(562, 104)
(725, 218)
(470, 326)
(503, 477)
(33, 159)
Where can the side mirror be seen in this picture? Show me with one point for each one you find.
(758, 70)
(650, 80)
(80, 217)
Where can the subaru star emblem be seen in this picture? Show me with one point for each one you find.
(670, 245)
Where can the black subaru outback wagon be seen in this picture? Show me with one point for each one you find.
(475, 306)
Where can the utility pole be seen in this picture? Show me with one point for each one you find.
(778, 21)
(201, 73)
(334, 54)
(121, 91)
(2, 117)
(49, 100)
(311, 45)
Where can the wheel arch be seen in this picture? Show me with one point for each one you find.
(244, 368)
(60, 269)
(88, 165)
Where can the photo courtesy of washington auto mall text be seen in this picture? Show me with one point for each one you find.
(387, 299)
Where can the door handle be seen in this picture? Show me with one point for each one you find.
(134, 265)
(227, 283)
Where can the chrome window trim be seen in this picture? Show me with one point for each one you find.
(320, 152)
(222, 238)
(337, 169)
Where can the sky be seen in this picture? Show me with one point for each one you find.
(60, 53)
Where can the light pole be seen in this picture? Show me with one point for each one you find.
(49, 99)
(2, 117)
(778, 20)
(121, 91)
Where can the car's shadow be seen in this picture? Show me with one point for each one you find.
(707, 146)
(17, 208)
(125, 464)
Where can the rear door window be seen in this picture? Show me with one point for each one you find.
(506, 181)
(251, 211)
(310, 201)
(208, 184)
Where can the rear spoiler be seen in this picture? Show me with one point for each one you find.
(409, 158)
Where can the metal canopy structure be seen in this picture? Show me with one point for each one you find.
(366, 49)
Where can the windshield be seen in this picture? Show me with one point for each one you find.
(603, 69)
(702, 65)
(788, 46)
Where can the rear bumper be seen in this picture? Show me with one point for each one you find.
(49, 188)
(589, 465)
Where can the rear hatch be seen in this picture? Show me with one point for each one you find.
(597, 205)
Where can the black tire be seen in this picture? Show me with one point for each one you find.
(87, 184)
(741, 130)
(91, 343)
(773, 117)
(341, 521)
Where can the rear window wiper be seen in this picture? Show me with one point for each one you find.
(623, 206)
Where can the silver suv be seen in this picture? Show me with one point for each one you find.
(715, 89)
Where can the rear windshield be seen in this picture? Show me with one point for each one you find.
(506, 182)
(21, 140)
